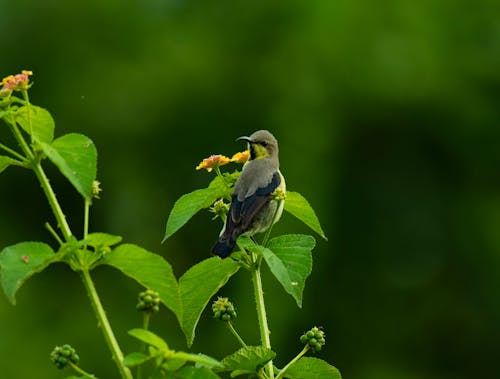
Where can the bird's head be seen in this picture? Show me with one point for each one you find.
(261, 144)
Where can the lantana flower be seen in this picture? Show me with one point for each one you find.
(213, 161)
(240, 157)
(19, 82)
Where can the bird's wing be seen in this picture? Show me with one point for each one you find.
(243, 212)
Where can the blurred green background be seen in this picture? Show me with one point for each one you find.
(387, 114)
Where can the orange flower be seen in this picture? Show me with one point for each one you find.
(212, 162)
(17, 82)
(241, 157)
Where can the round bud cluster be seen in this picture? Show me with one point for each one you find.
(315, 338)
(62, 355)
(223, 309)
(278, 195)
(220, 208)
(149, 301)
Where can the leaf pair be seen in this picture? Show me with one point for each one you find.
(74, 154)
(191, 203)
(170, 360)
(289, 258)
(186, 298)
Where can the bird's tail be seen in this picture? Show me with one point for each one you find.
(224, 246)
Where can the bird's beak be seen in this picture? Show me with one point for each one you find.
(244, 138)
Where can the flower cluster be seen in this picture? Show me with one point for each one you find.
(62, 355)
(315, 338)
(19, 82)
(149, 301)
(223, 309)
(218, 160)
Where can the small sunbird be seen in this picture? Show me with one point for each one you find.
(252, 207)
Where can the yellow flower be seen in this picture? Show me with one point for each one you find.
(241, 157)
(212, 162)
(17, 82)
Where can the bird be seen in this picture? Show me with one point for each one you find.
(252, 207)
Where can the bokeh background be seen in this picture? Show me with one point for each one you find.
(388, 117)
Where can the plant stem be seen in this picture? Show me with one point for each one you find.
(268, 231)
(13, 152)
(20, 139)
(145, 320)
(53, 232)
(261, 313)
(80, 370)
(28, 108)
(144, 346)
(86, 218)
(282, 372)
(44, 182)
(54, 204)
(109, 336)
(235, 333)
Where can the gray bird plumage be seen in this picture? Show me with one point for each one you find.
(252, 209)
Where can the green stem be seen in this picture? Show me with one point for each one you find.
(282, 372)
(28, 108)
(219, 174)
(268, 231)
(145, 320)
(44, 182)
(109, 336)
(54, 204)
(80, 370)
(235, 333)
(86, 218)
(145, 326)
(12, 152)
(261, 314)
(20, 139)
(53, 232)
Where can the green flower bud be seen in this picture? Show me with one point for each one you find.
(96, 189)
(220, 208)
(148, 301)
(62, 355)
(278, 195)
(223, 309)
(315, 338)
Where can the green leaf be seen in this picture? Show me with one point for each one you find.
(136, 359)
(198, 285)
(173, 364)
(42, 123)
(290, 259)
(5, 162)
(311, 368)
(298, 206)
(21, 261)
(193, 372)
(191, 203)
(76, 157)
(148, 269)
(248, 359)
(149, 338)
(201, 359)
(99, 240)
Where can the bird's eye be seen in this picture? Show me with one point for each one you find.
(263, 143)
